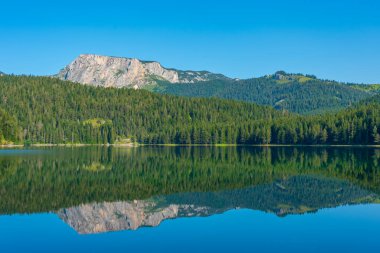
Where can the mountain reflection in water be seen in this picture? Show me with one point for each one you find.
(109, 189)
(296, 195)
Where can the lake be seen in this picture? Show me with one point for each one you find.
(190, 199)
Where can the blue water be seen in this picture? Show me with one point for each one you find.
(342, 229)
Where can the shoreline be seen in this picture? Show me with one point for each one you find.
(189, 145)
(262, 145)
(67, 145)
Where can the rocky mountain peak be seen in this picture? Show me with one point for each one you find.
(119, 72)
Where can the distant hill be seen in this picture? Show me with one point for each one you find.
(303, 94)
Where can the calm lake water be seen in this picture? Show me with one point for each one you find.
(199, 199)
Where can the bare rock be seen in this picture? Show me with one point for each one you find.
(119, 72)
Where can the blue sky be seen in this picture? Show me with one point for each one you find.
(331, 39)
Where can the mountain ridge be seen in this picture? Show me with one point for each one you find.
(299, 93)
(107, 71)
(281, 76)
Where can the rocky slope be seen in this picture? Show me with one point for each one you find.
(119, 72)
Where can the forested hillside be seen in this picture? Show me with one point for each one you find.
(48, 110)
(292, 92)
(53, 111)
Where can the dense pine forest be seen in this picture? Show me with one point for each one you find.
(302, 94)
(47, 110)
(8, 128)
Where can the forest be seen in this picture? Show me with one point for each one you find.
(48, 110)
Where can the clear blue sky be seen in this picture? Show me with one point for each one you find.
(334, 39)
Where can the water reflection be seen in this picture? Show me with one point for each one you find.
(296, 195)
(108, 189)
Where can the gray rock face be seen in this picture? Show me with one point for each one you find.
(106, 217)
(118, 72)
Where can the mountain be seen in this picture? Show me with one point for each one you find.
(2, 73)
(120, 72)
(303, 94)
(296, 195)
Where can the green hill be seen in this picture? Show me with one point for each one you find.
(303, 94)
